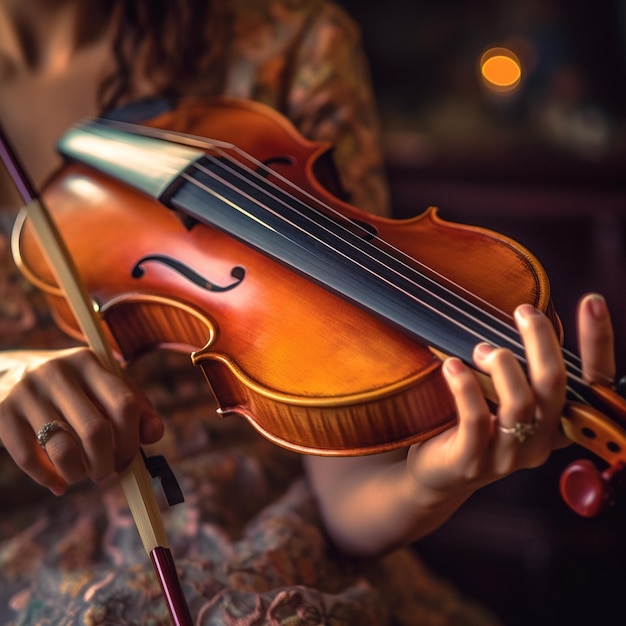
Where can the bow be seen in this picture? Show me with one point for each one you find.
(135, 480)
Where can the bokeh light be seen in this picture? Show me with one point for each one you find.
(500, 69)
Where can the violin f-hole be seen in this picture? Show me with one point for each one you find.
(238, 272)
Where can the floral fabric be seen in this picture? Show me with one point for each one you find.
(248, 541)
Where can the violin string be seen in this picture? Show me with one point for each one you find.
(517, 347)
(336, 250)
(255, 174)
(221, 146)
(234, 188)
(572, 360)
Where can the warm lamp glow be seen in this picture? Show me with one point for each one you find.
(501, 69)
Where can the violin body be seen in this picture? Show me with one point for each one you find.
(309, 369)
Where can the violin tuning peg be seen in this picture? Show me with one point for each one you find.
(585, 489)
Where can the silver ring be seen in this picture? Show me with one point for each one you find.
(521, 431)
(47, 430)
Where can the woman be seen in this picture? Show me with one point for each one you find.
(262, 555)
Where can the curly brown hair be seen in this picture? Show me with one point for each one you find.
(178, 46)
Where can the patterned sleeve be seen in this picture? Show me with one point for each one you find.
(331, 99)
(306, 60)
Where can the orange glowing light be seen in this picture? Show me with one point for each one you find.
(501, 69)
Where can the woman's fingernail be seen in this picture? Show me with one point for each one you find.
(454, 366)
(483, 350)
(525, 311)
(597, 306)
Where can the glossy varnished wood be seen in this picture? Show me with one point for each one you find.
(309, 370)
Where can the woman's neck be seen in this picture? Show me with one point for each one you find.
(41, 36)
(53, 57)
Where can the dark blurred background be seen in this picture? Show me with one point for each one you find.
(542, 159)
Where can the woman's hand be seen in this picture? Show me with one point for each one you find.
(484, 447)
(103, 419)
(375, 503)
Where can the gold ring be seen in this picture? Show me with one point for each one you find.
(521, 431)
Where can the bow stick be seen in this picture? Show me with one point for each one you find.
(135, 480)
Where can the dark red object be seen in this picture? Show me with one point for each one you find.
(170, 584)
(587, 490)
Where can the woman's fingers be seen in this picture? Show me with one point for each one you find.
(516, 403)
(24, 414)
(530, 387)
(474, 424)
(595, 339)
(530, 391)
(457, 458)
(21, 442)
(71, 392)
(103, 412)
(546, 368)
(90, 421)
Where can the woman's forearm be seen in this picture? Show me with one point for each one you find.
(372, 504)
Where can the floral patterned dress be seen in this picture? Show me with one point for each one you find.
(248, 541)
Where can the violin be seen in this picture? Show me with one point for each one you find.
(216, 229)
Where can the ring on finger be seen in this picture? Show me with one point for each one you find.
(521, 430)
(48, 429)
